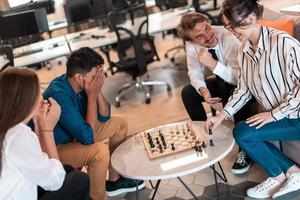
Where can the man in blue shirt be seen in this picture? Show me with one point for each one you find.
(85, 121)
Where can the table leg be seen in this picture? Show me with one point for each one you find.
(137, 190)
(216, 182)
(223, 176)
(188, 189)
(156, 187)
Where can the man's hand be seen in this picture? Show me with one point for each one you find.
(259, 120)
(213, 122)
(206, 59)
(93, 88)
(207, 97)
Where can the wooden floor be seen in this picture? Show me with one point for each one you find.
(163, 109)
(141, 116)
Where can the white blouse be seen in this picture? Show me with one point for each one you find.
(25, 166)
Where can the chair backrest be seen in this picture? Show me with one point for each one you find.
(170, 4)
(7, 52)
(132, 35)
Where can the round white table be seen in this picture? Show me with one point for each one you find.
(131, 160)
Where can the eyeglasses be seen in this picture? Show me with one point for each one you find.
(231, 27)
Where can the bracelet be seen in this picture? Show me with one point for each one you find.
(47, 130)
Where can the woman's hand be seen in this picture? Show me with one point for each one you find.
(47, 115)
(213, 122)
(259, 120)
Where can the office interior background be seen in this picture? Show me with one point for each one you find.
(50, 29)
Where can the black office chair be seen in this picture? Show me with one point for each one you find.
(7, 51)
(214, 20)
(136, 49)
(169, 5)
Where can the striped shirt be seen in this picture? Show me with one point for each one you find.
(271, 74)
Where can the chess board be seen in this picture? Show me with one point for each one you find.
(172, 139)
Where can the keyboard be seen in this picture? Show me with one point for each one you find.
(26, 53)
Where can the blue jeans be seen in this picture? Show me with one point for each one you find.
(256, 143)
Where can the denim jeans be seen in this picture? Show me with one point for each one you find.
(256, 143)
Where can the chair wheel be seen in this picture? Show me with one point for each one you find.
(148, 101)
(169, 90)
(117, 104)
(151, 88)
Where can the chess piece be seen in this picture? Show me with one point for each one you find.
(211, 143)
(203, 145)
(209, 131)
(173, 146)
(157, 141)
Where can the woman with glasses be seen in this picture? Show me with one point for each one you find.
(269, 63)
(29, 159)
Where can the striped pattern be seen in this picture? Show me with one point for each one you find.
(271, 74)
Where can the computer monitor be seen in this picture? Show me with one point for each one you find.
(82, 10)
(23, 24)
(18, 25)
(25, 5)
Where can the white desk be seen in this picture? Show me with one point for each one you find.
(58, 24)
(291, 10)
(49, 51)
(131, 160)
(158, 22)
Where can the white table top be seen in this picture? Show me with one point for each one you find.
(291, 10)
(158, 22)
(49, 51)
(131, 160)
(57, 24)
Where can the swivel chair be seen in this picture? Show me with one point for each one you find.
(169, 5)
(8, 53)
(135, 49)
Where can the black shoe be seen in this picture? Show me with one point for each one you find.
(122, 185)
(242, 164)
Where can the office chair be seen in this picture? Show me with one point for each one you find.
(135, 49)
(8, 52)
(169, 5)
(214, 20)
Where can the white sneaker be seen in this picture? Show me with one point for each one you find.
(292, 184)
(264, 190)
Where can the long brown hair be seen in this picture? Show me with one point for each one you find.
(19, 89)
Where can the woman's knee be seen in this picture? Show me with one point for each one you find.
(242, 132)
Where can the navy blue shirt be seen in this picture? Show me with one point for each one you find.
(71, 125)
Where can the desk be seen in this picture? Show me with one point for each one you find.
(58, 24)
(291, 10)
(49, 51)
(131, 160)
(158, 22)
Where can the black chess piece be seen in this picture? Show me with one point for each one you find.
(209, 131)
(157, 140)
(173, 146)
(211, 143)
(203, 145)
